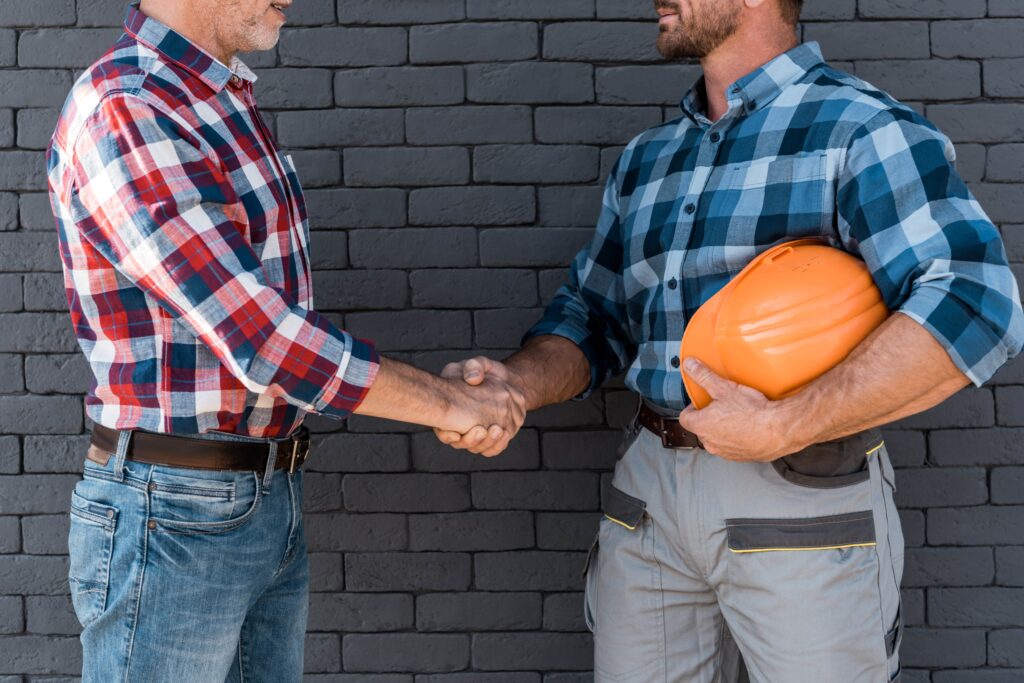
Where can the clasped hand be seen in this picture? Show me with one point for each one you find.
(489, 408)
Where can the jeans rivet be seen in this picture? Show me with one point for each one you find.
(110, 514)
(151, 524)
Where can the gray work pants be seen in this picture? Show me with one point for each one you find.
(698, 556)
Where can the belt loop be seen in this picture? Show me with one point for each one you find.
(268, 471)
(124, 439)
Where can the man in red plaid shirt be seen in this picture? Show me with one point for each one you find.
(184, 242)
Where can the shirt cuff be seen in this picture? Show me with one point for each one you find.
(357, 372)
(973, 347)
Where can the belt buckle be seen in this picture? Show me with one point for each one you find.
(664, 434)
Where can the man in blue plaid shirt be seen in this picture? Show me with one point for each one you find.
(698, 549)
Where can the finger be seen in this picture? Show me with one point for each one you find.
(475, 370)
(690, 419)
(471, 439)
(452, 371)
(494, 435)
(446, 437)
(501, 446)
(714, 384)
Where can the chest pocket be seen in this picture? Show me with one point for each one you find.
(762, 203)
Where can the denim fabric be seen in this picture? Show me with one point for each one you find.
(188, 575)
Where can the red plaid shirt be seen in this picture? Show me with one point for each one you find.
(184, 243)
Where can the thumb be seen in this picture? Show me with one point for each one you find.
(475, 370)
(714, 384)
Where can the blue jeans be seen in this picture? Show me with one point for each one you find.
(188, 575)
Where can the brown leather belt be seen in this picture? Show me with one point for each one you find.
(673, 434)
(202, 454)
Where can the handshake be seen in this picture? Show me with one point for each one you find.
(487, 404)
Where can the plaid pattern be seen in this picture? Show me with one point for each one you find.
(804, 150)
(184, 242)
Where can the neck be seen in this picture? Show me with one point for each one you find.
(182, 18)
(738, 56)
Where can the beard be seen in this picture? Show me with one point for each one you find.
(696, 34)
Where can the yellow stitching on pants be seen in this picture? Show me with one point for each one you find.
(620, 522)
(875, 448)
(824, 547)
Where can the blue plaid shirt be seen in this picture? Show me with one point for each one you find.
(804, 150)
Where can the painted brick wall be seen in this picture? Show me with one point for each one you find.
(453, 152)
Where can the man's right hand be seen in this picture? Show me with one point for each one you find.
(480, 373)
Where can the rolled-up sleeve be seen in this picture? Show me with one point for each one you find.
(165, 215)
(932, 251)
(590, 309)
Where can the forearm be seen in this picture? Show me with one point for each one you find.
(407, 394)
(899, 370)
(549, 369)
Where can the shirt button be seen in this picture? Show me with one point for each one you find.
(715, 137)
(751, 105)
(675, 361)
(690, 208)
(235, 80)
(672, 283)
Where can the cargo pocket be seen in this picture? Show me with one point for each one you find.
(853, 530)
(90, 547)
(833, 464)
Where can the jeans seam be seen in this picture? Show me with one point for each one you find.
(138, 588)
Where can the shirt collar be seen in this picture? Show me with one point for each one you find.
(182, 51)
(761, 86)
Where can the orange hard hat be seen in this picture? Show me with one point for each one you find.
(789, 316)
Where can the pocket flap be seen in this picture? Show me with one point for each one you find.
(622, 508)
(810, 533)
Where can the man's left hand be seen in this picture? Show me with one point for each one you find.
(740, 423)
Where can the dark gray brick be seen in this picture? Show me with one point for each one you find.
(535, 490)
(340, 127)
(35, 127)
(557, 651)
(571, 414)
(40, 415)
(625, 9)
(34, 211)
(310, 12)
(1008, 485)
(321, 492)
(960, 447)
(58, 374)
(343, 46)
(414, 248)
(473, 42)
(977, 676)
(12, 377)
(564, 612)
(399, 86)
(62, 453)
(912, 606)
(409, 330)
(22, 171)
(329, 250)
(45, 292)
(479, 205)
(8, 200)
(347, 290)
(1010, 566)
(529, 9)
(569, 205)
(356, 208)
(906, 448)
(503, 327)
(12, 619)
(33, 575)
(871, 40)
(406, 651)
(1006, 647)
(346, 532)
(632, 85)
(31, 13)
(10, 536)
(8, 54)
(43, 654)
(471, 531)
(583, 450)
(1010, 406)
(948, 567)
(34, 87)
(375, 572)
(11, 297)
(29, 252)
(326, 572)
(407, 166)
(941, 487)
(970, 162)
(478, 612)
(408, 12)
(1003, 203)
(529, 571)
(51, 615)
(473, 288)
(601, 41)
(360, 453)
(978, 38)
(45, 534)
(480, 677)
(294, 88)
(429, 454)
(942, 647)
(566, 530)
(913, 523)
(1005, 8)
(322, 652)
(975, 607)
(535, 164)
(1006, 162)
(921, 9)
(923, 79)
(967, 408)
(530, 82)
(469, 125)
(360, 613)
(64, 48)
(986, 525)
(406, 492)
(980, 122)
(597, 125)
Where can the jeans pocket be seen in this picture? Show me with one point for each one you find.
(202, 503)
(90, 547)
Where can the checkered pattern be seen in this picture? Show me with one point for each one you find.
(184, 242)
(804, 150)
